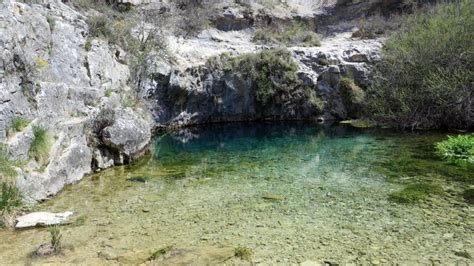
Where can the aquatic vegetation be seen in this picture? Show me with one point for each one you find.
(160, 253)
(273, 197)
(79, 221)
(469, 195)
(463, 254)
(458, 150)
(10, 198)
(140, 179)
(415, 192)
(39, 148)
(245, 185)
(243, 253)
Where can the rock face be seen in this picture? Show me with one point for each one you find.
(205, 93)
(42, 219)
(49, 77)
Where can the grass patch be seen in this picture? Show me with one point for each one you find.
(243, 253)
(10, 198)
(39, 149)
(414, 193)
(426, 75)
(296, 33)
(17, 125)
(6, 165)
(457, 150)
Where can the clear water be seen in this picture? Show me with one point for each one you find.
(290, 192)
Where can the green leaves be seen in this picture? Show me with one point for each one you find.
(458, 150)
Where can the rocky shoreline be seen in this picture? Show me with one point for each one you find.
(78, 90)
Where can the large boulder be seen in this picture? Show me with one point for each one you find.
(129, 136)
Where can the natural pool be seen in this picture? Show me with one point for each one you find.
(290, 192)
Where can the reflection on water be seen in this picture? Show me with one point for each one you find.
(291, 192)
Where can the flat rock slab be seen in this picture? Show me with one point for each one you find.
(42, 219)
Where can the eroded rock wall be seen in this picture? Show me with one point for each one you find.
(48, 77)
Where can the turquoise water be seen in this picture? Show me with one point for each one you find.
(290, 192)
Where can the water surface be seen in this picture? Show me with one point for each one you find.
(291, 192)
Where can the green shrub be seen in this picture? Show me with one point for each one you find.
(426, 76)
(39, 149)
(353, 96)
(377, 26)
(55, 234)
(414, 192)
(88, 45)
(99, 26)
(295, 34)
(6, 165)
(17, 124)
(457, 150)
(274, 74)
(10, 198)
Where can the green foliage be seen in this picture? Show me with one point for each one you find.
(108, 92)
(17, 124)
(296, 33)
(425, 79)
(243, 253)
(10, 198)
(39, 149)
(352, 96)
(415, 192)
(88, 45)
(6, 165)
(160, 253)
(468, 195)
(55, 234)
(458, 150)
(274, 73)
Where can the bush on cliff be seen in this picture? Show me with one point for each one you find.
(426, 77)
(274, 73)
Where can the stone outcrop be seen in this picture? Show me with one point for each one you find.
(205, 93)
(42, 219)
(49, 77)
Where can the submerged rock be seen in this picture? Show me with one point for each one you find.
(45, 249)
(42, 219)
